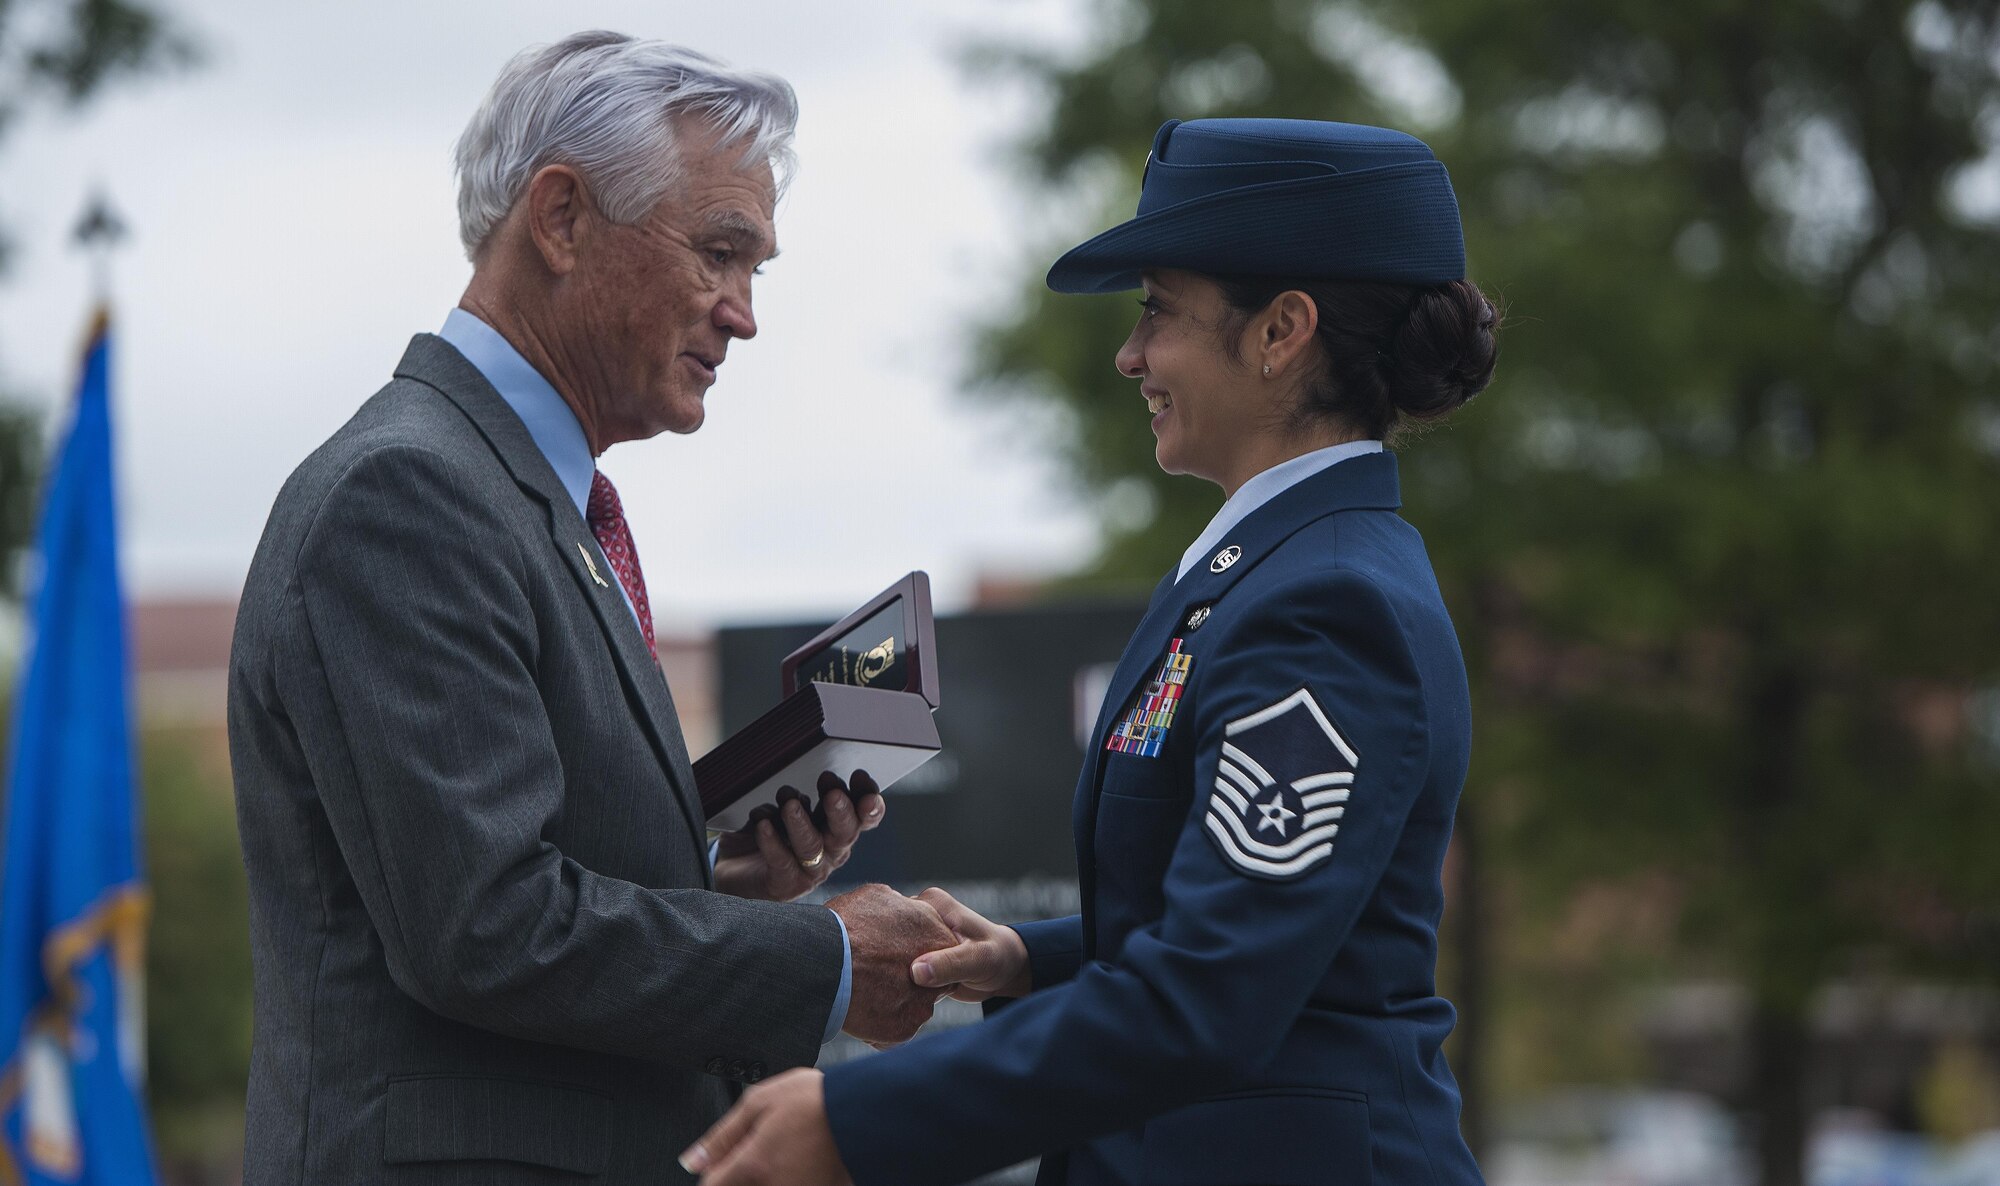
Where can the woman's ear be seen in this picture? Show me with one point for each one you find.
(1283, 331)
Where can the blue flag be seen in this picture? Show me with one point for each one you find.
(73, 901)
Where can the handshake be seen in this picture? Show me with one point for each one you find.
(908, 953)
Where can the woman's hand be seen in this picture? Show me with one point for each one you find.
(776, 1135)
(779, 862)
(988, 960)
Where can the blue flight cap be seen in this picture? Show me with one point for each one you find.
(1280, 197)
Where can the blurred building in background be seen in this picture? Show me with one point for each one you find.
(180, 662)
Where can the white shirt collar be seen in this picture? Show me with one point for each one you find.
(1265, 487)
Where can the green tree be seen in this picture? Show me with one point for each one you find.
(1718, 540)
(65, 52)
(61, 53)
(198, 1006)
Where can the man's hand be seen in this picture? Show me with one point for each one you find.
(763, 862)
(886, 932)
(989, 961)
(776, 1135)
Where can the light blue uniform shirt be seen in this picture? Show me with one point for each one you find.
(1262, 489)
(557, 434)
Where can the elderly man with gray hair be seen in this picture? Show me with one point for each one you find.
(491, 941)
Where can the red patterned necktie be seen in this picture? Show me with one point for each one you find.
(607, 523)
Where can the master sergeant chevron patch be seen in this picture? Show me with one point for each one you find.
(1281, 788)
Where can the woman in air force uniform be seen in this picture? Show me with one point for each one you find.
(1261, 820)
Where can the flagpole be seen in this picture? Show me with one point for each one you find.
(73, 898)
(99, 231)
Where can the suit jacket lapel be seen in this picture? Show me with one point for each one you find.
(432, 361)
(1368, 481)
(642, 677)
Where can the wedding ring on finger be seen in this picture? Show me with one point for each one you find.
(819, 858)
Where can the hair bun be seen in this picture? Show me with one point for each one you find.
(1444, 351)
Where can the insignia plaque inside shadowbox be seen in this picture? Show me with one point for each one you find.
(859, 696)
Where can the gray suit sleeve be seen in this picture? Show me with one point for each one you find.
(414, 691)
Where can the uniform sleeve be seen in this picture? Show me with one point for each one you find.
(1310, 697)
(1055, 952)
(435, 761)
(1055, 949)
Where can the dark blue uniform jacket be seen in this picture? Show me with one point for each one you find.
(1261, 823)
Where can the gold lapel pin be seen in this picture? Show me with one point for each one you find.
(591, 565)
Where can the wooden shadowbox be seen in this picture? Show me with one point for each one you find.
(857, 697)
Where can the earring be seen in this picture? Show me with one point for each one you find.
(1267, 368)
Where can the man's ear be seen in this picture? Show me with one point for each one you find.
(1283, 331)
(557, 208)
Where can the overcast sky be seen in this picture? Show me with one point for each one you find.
(292, 210)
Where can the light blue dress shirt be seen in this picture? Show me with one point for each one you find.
(1265, 487)
(559, 436)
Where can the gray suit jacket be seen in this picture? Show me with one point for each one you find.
(485, 939)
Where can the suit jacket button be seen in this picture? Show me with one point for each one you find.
(717, 1067)
(737, 1070)
(755, 1072)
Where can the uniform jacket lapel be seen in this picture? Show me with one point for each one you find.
(433, 362)
(1364, 482)
(1368, 481)
(1145, 643)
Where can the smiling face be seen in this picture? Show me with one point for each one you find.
(1212, 415)
(656, 303)
(1225, 385)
